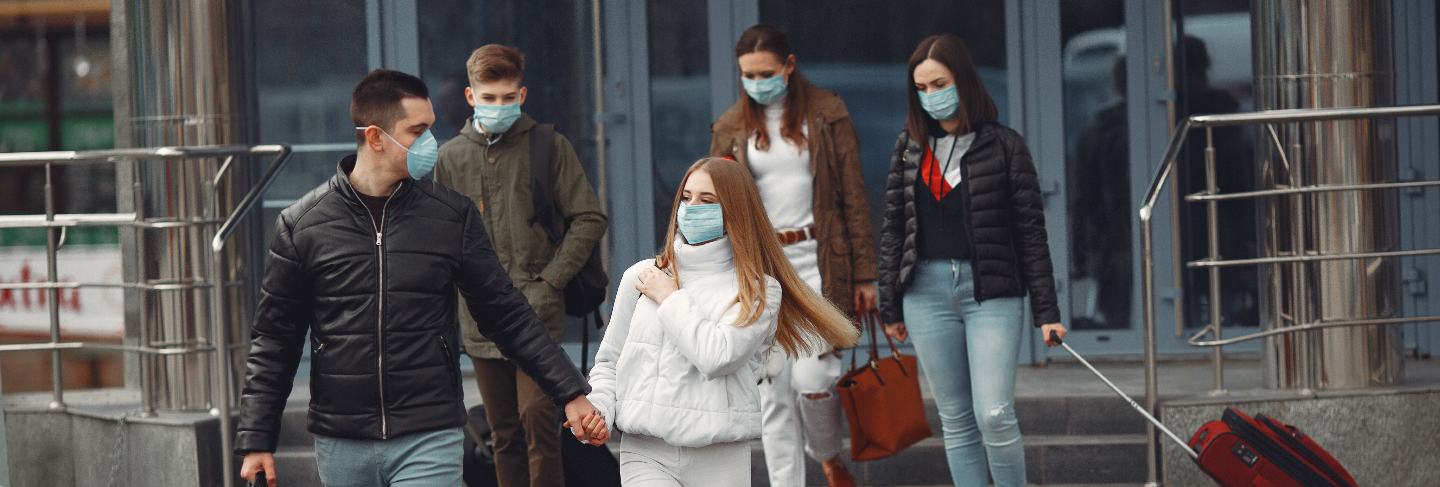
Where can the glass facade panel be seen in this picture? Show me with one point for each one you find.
(679, 96)
(1097, 164)
(860, 51)
(1214, 74)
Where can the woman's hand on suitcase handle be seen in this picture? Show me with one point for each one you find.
(1054, 333)
(897, 331)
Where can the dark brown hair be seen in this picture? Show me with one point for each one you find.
(975, 102)
(764, 38)
(376, 100)
(495, 62)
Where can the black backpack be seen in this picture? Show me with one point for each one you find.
(587, 290)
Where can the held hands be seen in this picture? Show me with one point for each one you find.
(656, 284)
(592, 426)
(585, 422)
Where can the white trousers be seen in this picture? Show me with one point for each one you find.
(651, 462)
(794, 425)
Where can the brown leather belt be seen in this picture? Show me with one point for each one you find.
(792, 236)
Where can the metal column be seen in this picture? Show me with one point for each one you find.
(1328, 54)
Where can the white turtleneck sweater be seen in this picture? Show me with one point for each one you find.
(682, 371)
(787, 187)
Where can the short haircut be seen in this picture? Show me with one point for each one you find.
(495, 62)
(376, 100)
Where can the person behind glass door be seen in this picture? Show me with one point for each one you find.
(963, 241)
(690, 331)
(799, 142)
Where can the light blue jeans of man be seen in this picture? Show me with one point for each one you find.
(425, 459)
(968, 352)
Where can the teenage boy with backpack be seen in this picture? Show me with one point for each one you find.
(545, 221)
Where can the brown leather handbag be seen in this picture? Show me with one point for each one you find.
(882, 401)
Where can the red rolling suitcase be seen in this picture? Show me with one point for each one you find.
(1238, 450)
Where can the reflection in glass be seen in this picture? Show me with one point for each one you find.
(1097, 148)
(558, 64)
(859, 52)
(1214, 75)
(308, 57)
(679, 96)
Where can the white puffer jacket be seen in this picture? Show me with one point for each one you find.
(682, 371)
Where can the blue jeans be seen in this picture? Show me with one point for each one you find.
(425, 459)
(968, 352)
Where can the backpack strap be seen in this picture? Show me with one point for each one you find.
(542, 181)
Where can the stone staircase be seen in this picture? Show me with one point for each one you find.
(1071, 440)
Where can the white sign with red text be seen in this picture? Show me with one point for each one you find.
(93, 312)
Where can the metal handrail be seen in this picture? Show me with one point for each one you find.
(1162, 177)
(220, 389)
(1313, 257)
(101, 220)
(1321, 188)
(1195, 341)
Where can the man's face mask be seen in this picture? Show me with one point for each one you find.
(420, 156)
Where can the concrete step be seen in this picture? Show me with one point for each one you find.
(1048, 416)
(1050, 460)
(1091, 459)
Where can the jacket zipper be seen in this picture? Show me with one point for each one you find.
(966, 225)
(380, 317)
(449, 359)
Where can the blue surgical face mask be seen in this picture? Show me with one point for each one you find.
(941, 104)
(420, 156)
(700, 223)
(497, 119)
(765, 91)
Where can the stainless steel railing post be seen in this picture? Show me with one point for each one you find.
(1212, 238)
(52, 268)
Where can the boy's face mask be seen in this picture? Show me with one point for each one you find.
(497, 119)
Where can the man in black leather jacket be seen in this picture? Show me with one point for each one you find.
(368, 264)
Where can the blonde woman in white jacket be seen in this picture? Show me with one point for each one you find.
(677, 371)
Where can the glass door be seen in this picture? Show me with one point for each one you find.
(1113, 63)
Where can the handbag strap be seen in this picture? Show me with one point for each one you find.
(874, 347)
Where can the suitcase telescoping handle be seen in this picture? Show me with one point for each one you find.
(1055, 337)
(259, 480)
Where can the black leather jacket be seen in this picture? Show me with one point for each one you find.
(379, 304)
(1009, 251)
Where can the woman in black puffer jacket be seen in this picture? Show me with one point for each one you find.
(963, 242)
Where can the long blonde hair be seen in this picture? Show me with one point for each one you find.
(808, 322)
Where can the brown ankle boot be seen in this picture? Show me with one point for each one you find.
(836, 474)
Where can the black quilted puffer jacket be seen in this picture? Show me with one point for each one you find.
(1009, 253)
(379, 305)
